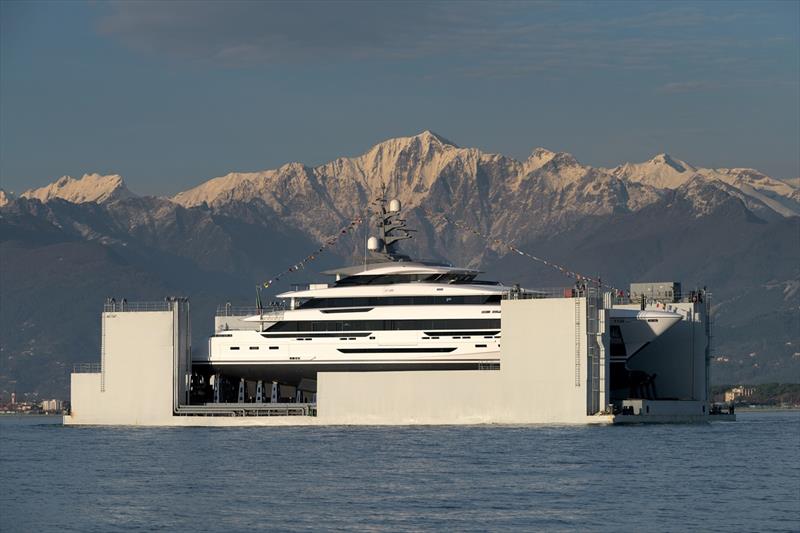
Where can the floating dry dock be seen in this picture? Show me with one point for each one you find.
(556, 367)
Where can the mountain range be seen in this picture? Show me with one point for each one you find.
(66, 246)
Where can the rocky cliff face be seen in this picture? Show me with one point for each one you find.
(78, 240)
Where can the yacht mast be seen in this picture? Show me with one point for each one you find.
(391, 229)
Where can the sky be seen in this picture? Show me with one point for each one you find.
(170, 94)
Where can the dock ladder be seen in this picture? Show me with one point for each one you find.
(592, 350)
(577, 342)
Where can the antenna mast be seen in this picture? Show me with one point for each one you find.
(391, 229)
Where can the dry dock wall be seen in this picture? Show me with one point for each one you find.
(138, 384)
(542, 379)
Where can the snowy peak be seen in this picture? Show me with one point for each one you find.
(5, 197)
(668, 160)
(662, 172)
(538, 158)
(89, 188)
(425, 144)
(554, 169)
(232, 186)
(419, 157)
(759, 192)
(564, 160)
(780, 196)
(553, 163)
(429, 137)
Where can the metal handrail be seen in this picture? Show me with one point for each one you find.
(537, 293)
(243, 310)
(571, 292)
(248, 409)
(686, 298)
(87, 368)
(124, 306)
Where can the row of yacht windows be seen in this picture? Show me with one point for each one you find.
(374, 301)
(390, 279)
(385, 325)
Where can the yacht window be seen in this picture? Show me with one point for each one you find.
(389, 279)
(386, 325)
(376, 301)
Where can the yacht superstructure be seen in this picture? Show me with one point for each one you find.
(404, 316)
(390, 313)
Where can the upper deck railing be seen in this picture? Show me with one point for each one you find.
(86, 368)
(614, 297)
(276, 310)
(244, 310)
(517, 293)
(124, 306)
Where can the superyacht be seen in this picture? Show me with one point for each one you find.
(389, 313)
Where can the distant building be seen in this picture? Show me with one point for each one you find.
(739, 393)
(51, 406)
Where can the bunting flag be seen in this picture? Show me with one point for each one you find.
(563, 270)
(349, 228)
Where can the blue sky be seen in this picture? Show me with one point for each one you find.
(171, 94)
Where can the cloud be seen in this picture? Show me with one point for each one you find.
(470, 38)
(688, 86)
(276, 32)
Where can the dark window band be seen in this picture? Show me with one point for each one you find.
(375, 301)
(447, 333)
(385, 325)
(391, 279)
(306, 334)
(396, 350)
(348, 310)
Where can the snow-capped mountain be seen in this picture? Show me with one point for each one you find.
(427, 169)
(412, 167)
(759, 191)
(89, 188)
(509, 199)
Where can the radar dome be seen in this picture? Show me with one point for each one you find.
(394, 206)
(373, 243)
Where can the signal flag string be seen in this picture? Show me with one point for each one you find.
(354, 223)
(350, 227)
(565, 271)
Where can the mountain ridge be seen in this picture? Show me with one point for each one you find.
(95, 188)
(411, 165)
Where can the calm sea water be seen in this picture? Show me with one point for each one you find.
(742, 476)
